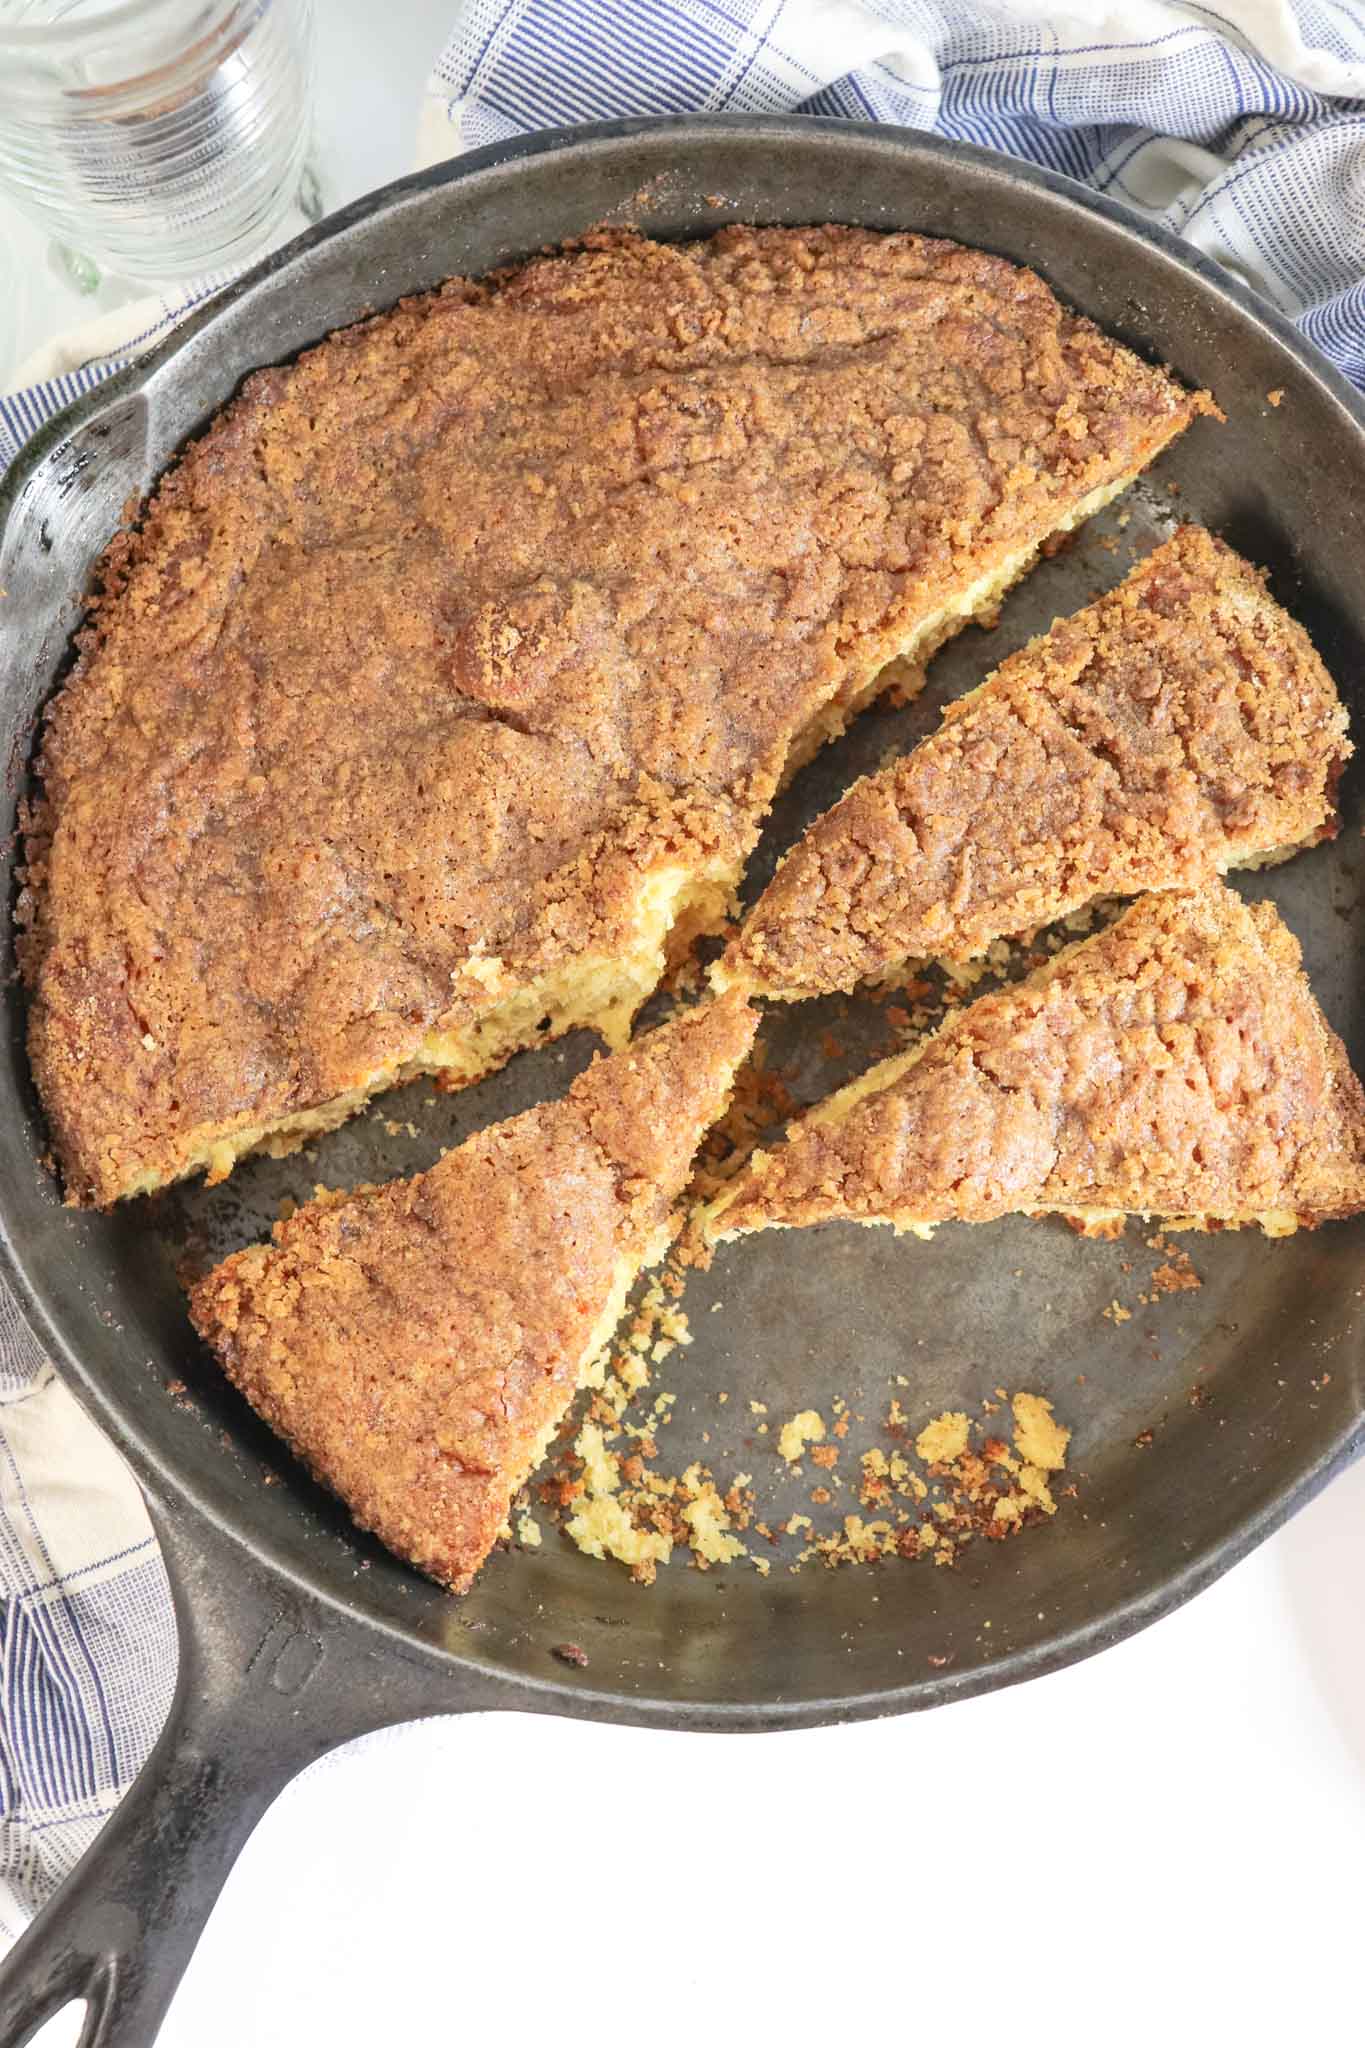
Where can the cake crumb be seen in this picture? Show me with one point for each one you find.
(943, 1439)
(1038, 1439)
(601, 1525)
(610, 1499)
(708, 1521)
(1033, 1487)
(806, 1428)
(1104, 1228)
(1177, 1275)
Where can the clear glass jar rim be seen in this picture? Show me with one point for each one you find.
(86, 29)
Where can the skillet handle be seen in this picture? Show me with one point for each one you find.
(268, 1682)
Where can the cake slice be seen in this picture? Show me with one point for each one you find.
(435, 701)
(417, 1344)
(1181, 726)
(1175, 1066)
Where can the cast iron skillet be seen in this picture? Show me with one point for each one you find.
(295, 1633)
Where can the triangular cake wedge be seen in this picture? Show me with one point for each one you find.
(438, 696)
(1179, 727)
(1174, 1066)
(417, 1344)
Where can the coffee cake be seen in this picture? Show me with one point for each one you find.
(1181, 726)
(440, 691)
(1176, 1065)
(417, 1344)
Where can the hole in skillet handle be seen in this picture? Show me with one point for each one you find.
(269, 1680)
(66, 2028)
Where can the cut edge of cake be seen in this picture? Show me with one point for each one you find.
(597, 992)
(903, 667)
(738, 970)
(603, 992)
(1279, 949)
(724, 1028)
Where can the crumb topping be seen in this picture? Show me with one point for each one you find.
(1180, 726)
(413, 1343)
(1175, 1065)
(447, 638)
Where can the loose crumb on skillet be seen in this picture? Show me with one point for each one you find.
(609, 1489)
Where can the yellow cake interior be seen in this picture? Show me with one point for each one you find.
(980, 600)
(627, 1271)
(596, 990)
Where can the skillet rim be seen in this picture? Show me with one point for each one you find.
(492, 1683)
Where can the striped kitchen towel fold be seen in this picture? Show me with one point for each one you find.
(87, 1641)
(1243, 129)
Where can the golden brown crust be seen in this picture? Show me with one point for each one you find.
(413, 1342)
(1176, 1065)
(1180, 726)
(443, 637)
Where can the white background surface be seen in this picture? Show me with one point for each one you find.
(1162, 1844)
(1167, 1840)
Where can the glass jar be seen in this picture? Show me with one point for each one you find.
(159, 139)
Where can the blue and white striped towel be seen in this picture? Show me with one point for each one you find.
(1243, 129)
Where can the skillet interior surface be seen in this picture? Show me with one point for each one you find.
(1272, 1339)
